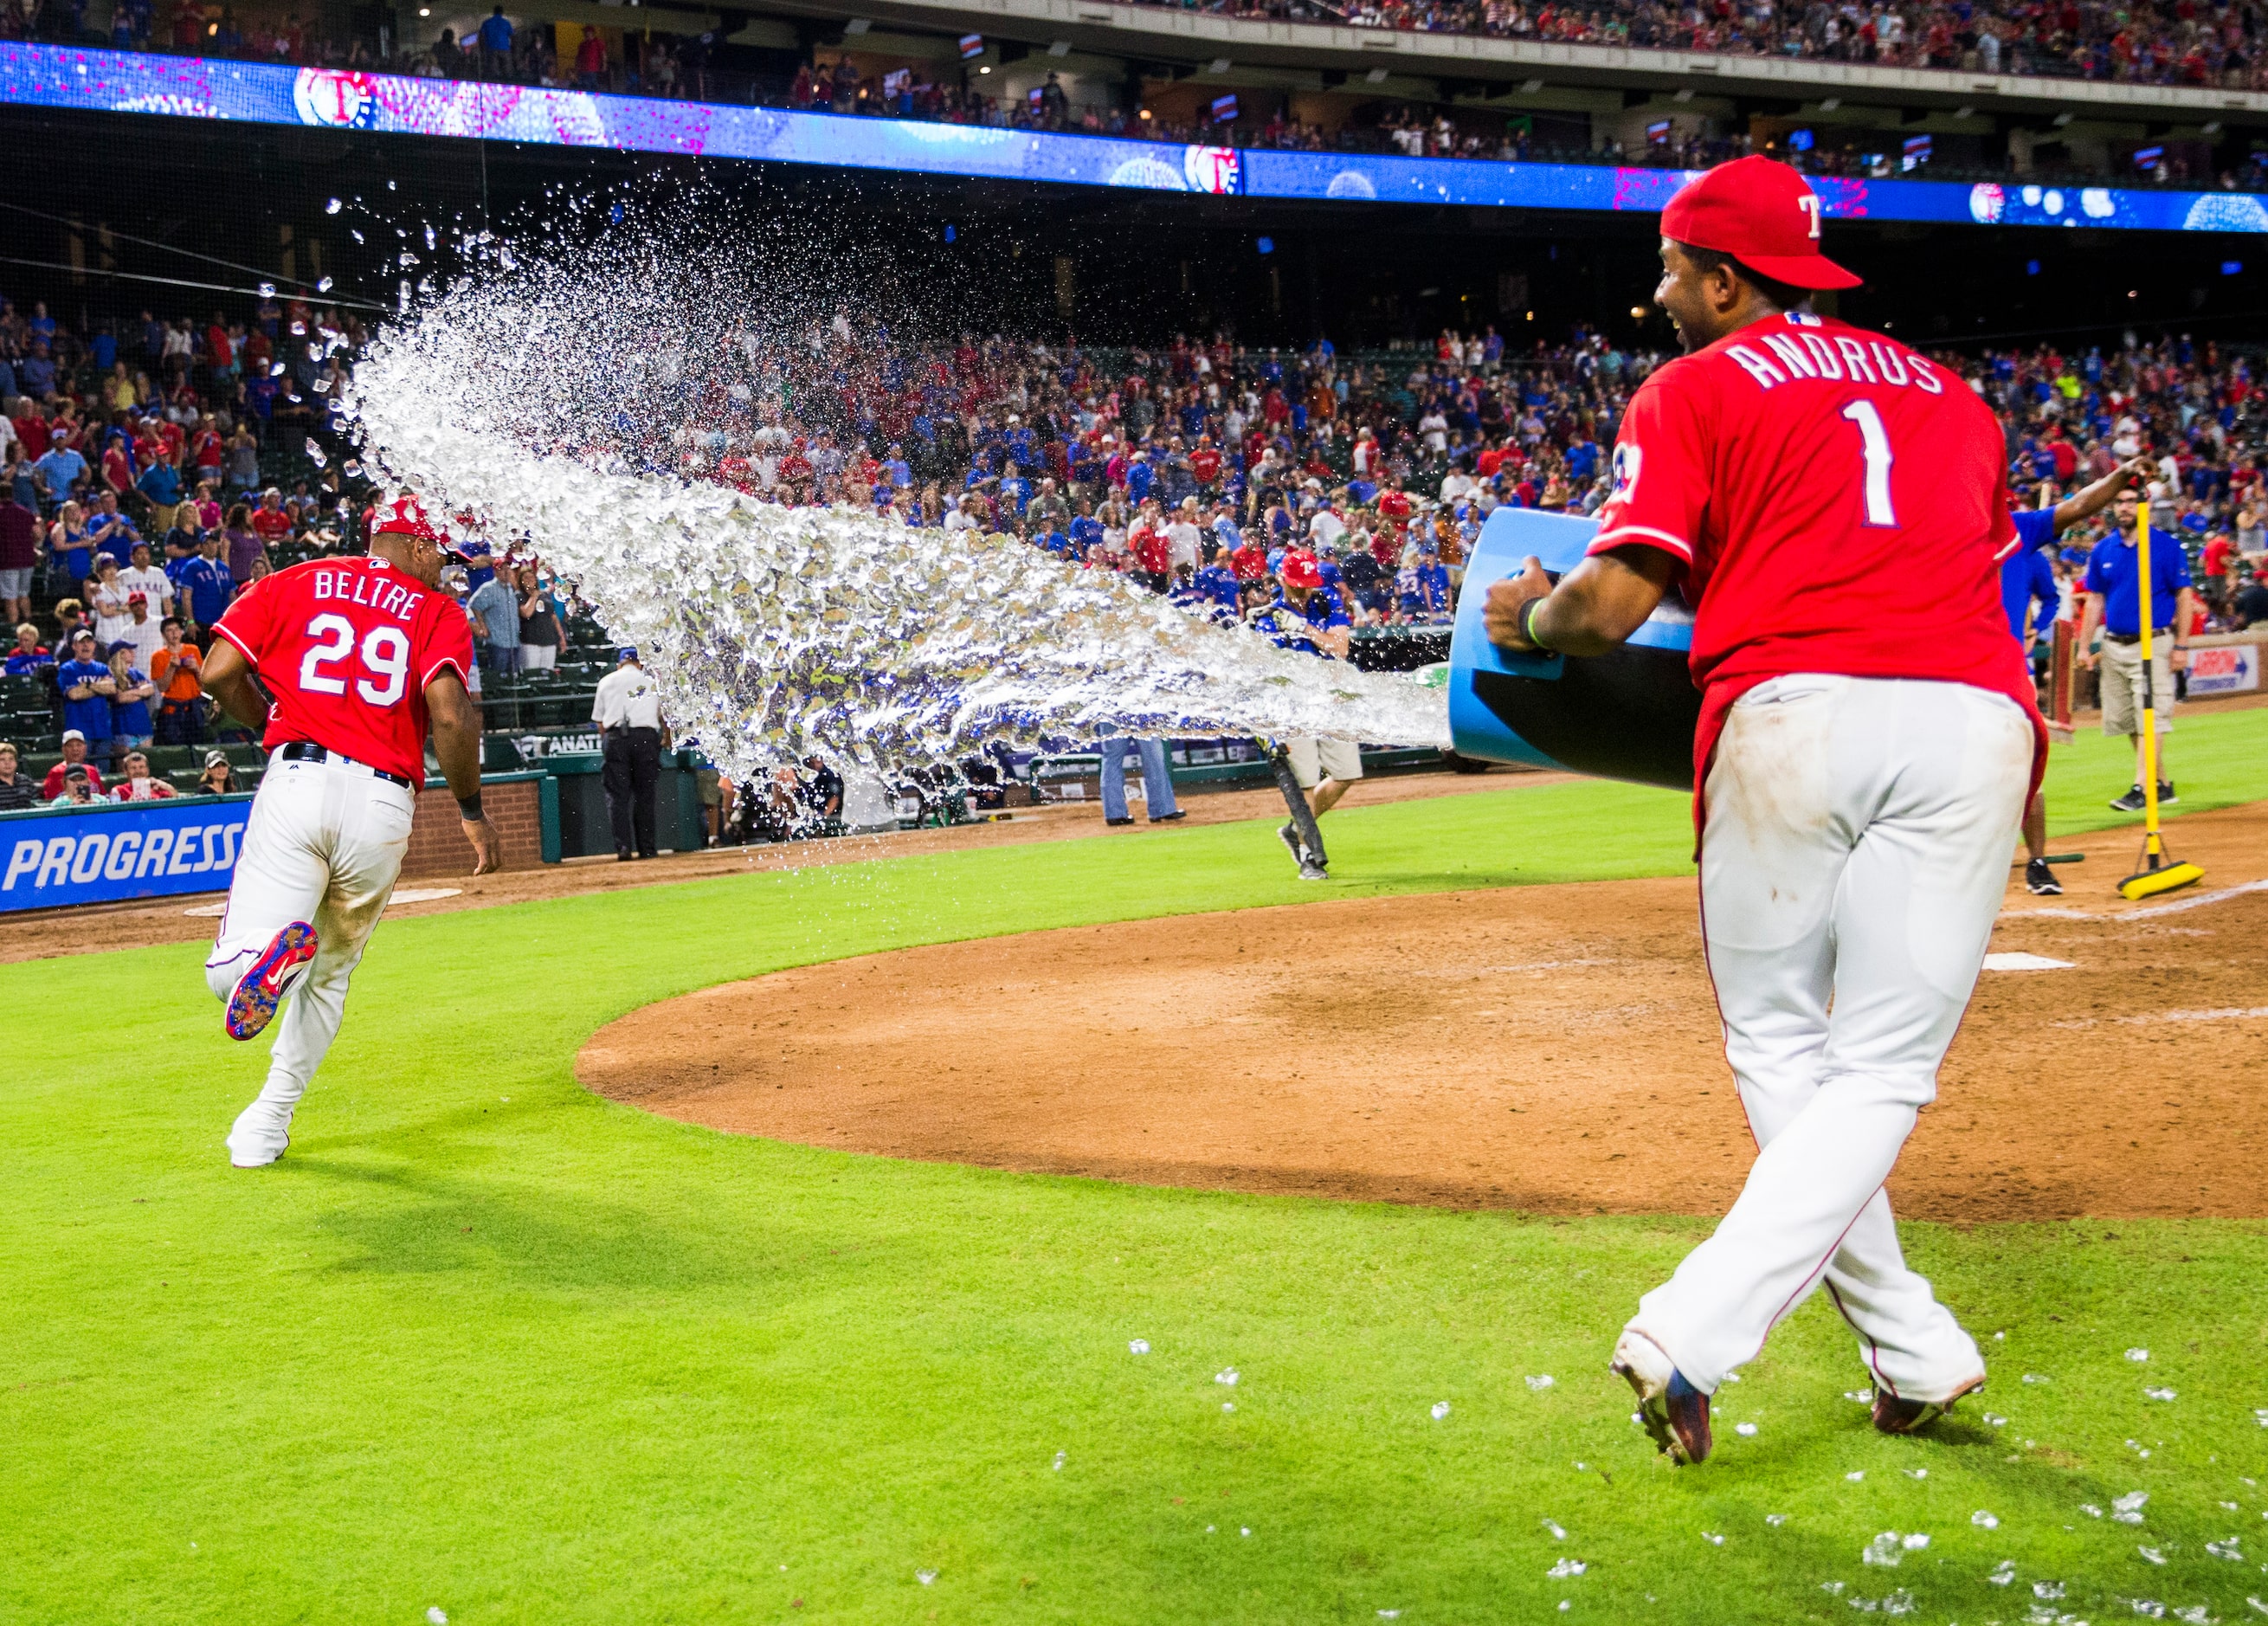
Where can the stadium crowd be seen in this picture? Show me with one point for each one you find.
(2187, 44)
(1226, 475)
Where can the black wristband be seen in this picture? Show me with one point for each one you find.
(469, 809)
(1527, 623)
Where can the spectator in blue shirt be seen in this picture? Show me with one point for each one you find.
(161, 484)
(496, 43)
(59, 472)
(205, 583)
(1016, 490)
(496, 610)
(2113, 584)
(38, 373)
(85, 684)
(109, 530)
(131, 691)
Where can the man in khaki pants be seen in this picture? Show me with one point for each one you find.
(2113, 585)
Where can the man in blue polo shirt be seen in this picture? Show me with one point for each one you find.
(2027, 581)
(2113, 584)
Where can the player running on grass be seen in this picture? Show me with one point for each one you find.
(343, 662)
(1837, 509)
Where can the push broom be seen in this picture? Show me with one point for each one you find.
(2159, 872)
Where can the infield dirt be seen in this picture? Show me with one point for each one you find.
(1548, 1049)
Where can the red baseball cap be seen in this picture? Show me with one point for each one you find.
(1762, 213)
(406, 516)
(1299, 570)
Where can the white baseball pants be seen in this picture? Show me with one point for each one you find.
(325, 844)
(1854, 854)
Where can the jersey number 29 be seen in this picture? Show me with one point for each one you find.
(384, 656)
(1875, 445)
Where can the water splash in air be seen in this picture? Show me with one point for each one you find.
(553, 403)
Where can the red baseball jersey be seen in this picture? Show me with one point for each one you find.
(347, 647)
(1840, 504)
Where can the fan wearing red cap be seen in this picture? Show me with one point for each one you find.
(345, 663)
(1832, 507)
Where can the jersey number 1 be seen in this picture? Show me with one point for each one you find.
(1874, 444)
(384, 655)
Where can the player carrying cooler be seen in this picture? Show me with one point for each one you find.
(1835, 508)
(343, 661)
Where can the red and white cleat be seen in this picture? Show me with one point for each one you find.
(261, 988)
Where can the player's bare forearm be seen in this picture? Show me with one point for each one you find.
(228, 679)
(2092, 500)
(456, 734)
(1596, 606)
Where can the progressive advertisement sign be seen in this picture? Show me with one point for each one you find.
(53, 75)
(112, 853)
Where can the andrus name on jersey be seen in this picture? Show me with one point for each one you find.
(368, 589)
(1836, 357)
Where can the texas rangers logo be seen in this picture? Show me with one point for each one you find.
(340, 101)
(1217, 170)
(1626, 470)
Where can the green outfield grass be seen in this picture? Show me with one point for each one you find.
(486, 1344)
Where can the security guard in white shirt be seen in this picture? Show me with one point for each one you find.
(628, 711)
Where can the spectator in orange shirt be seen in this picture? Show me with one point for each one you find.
(177, 670)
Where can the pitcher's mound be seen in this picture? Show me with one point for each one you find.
(1547, 1048)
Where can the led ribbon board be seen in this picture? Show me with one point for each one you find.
(49, 76)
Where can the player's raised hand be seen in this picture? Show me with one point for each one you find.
(1505, 600)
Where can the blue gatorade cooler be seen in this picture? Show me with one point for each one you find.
(1627, 714)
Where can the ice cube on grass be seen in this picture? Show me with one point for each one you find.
(1713, 1538)
(1775, 1520)
(2037, 1378)
(1557, 1534)
(1984, 1520)
(1566, 1567)
(1855, 1476)
(1885, 1549)
(2160, 1393)
(927, 1577)
(2225, 1549)
(2138, 1354)
(1227, 1376)
(2152, 1553)
(1745, 1429)
(2003, 1572)
(2150, 1608)
(1440, 1410)
(2049, 1590)
(2127, 1510)
(1138, 1346)
(1539, 1382)
(1916, 1473)
(435, 1616)
(1915, 1542)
